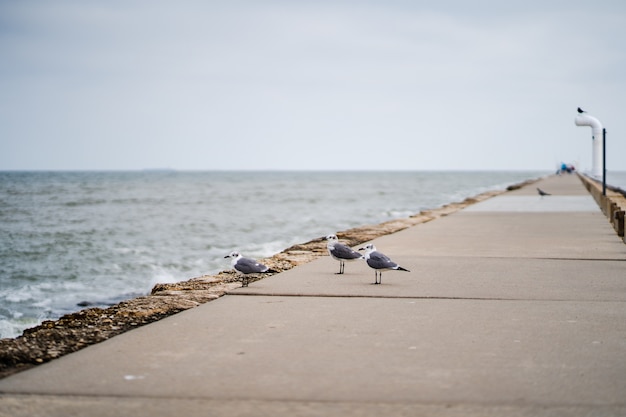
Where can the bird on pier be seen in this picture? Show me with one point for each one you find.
(340, 252)
(541, 192)
(379, 262)
(247, 266)
(581, 110)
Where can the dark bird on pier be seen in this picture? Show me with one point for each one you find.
(541, 192)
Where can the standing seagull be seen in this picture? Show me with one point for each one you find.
(581, 110)
(247, 266)
(379, 262)
(340, 252)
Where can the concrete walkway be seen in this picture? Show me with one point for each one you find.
(515, 306)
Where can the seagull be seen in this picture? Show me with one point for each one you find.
(581, 110)
(541, 192)
(379, 262)
(247, 266)
(340, 252)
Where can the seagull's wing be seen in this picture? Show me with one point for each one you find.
(379, 260)
(342, 251)
(249, 266)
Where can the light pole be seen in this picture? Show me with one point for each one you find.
(598, 158)
(603, 161)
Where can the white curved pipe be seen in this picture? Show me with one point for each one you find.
(596, 131)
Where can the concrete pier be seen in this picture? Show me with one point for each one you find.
(515, 306)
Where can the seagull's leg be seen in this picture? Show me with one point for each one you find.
(244, 281)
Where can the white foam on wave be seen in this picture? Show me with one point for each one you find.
(13, 328)
(161, 276)
(397, 214)
(267, 249)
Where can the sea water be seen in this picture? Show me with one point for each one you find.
(95, 238)
(616, 179)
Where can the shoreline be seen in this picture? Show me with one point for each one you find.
(55, 338)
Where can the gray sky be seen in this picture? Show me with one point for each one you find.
(386, 84)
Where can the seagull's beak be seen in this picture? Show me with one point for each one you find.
(361, 249)
(227, 256)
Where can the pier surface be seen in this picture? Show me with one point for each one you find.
(514, 306)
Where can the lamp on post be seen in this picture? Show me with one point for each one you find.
(598, 145)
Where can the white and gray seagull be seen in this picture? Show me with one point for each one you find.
(246, 266)
(379, 262)
(340, 252)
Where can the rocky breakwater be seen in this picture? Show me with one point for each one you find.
(53, 339)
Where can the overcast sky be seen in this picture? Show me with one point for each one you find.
(389, 84)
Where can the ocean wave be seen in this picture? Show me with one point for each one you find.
(85, 202)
